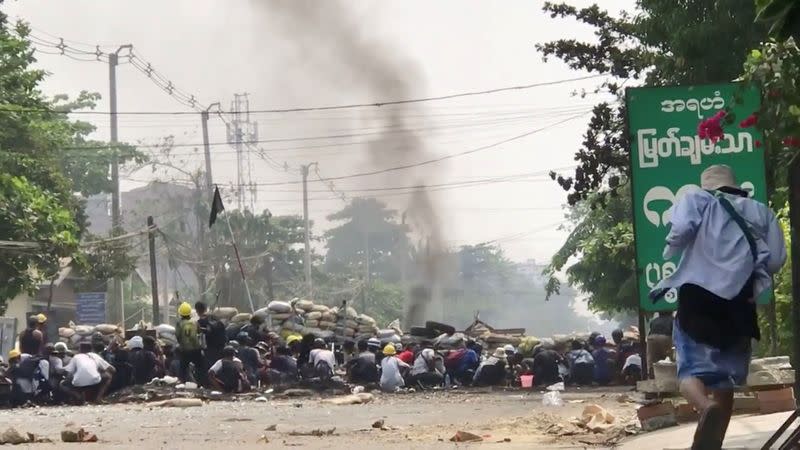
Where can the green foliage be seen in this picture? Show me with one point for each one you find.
(41, 172)
(31, 214)
(368, 225)
(663, 42)
(782, 16)
(602, 243)
(783, 296)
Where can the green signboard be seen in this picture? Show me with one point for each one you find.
(667, 158)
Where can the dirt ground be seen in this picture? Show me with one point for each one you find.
(508, 420)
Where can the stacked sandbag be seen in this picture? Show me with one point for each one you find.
(241, 318)
(527, 344)
(366, 327)
(166, 334)
(224, 313)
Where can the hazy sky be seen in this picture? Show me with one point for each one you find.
(215, 48)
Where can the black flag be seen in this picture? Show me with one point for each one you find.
(216, 207)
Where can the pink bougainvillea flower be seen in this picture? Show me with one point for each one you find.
(711, 128)
(749, 121)
(791, 141)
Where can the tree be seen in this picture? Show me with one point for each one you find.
(369, 227)
(665, 42)
(39, 176)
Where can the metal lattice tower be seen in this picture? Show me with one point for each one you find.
(241, 131)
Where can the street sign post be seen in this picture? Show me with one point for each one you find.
(91, 308)
(667, 158)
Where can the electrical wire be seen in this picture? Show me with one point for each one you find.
(441, 158)
(332, 107)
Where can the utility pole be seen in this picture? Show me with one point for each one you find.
(367, 278)
(151, 241)
(201, 228)
(268, 266)
(206, 146)
(116, 223)
(309, 285)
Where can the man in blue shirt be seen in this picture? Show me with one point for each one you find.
(730, 245)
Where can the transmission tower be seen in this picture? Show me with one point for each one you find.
(242, 131)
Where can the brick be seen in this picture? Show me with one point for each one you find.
(655, 410)
(685, 412)
(659, 422)
(775, 395)
(774, 406)
(745, 405)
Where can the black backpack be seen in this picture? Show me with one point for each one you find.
(216, 337)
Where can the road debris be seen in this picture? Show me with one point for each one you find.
(353, 399)
(378, 423)
(73, 434)
(178, 403)
(595, 418)
(14, 437)
(316, 432)
(464, 436)
(261, 400)
(273, 427)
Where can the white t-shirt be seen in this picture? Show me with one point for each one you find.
(422, 361)
(85, 369)
(217, 366)
(633, 360)
(322, 354)
(391, 378)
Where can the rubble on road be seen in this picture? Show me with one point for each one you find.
(353, 399)
(13, 437)
(178, 403)
(314, 433)
(464, 436)
(77, 434)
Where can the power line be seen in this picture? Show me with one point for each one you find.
(441, 158)
(4, 108)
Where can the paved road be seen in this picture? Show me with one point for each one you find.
(415, 420)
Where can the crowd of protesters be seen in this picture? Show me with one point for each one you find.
(46, 373)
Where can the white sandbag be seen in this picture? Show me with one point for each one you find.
(305, 305)
(325, 325)
(241, 318)
(225, 312)
(320, 308)
(281, 316)
(107, 328)
(84, 330)
(314, 315)
(351, 313)
(165, 328)
(349, 332)
(328, 317)
(65, 332)
(351, 324)
(279, 307)
(312, 323)
(365, 319)
(385, 334)
(262, 313)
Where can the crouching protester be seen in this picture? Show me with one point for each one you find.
(227, 374)
(87, 373)
(730, 245)
(321, 360)
(282, 367)
(29, 375)
(392, 369)
(492, 371)
(428, 370)
(462, 363)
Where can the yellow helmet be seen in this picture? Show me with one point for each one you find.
(389, 350)
(185, 309)
(293, 338)
(14, 353)
(41, 318)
